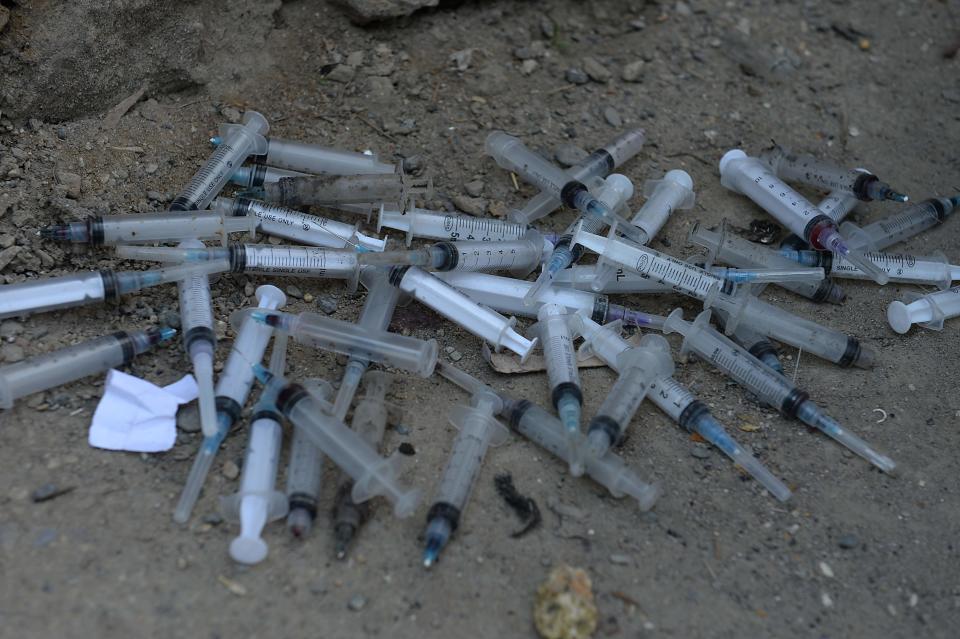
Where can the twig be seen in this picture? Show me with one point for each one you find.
(796, 369)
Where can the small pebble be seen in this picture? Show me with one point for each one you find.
(170, 318)
(231, 114)
(612, 116)
(327, 303)
(596, 71)
(632, 72)
(474, 188)
(471, 205)
(308, 297)
(401, 429)
(570, 154)
(214, 519)
(188, 418)
(230, 470)
(700, 452)
(826, 600)
(357, 603)
(576, 76)
(249, 289)
(825, 569)
(11, 353)
(294, 291)
(620, 560)
(456, 356)
(406, 448)
(528, 66)
(848, 541)
(151, 168)
(48, 492)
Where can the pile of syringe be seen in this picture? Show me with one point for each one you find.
(455, 276)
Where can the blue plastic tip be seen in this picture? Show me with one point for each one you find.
(167, 333)
(432, 551)
(362, 249)
(262, 374)
(216, 140)
(955, 200)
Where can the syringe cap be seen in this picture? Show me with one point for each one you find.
(898, 316)
(733, 154)
(269, 296)
(619, 184)
(681, 177)
(248, 550)
(254, 120)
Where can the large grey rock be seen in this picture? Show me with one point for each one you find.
(366, 11)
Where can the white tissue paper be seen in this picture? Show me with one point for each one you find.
(138, 416)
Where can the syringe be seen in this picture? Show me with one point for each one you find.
(487, 324)
(837, 205)
(261, 259)
(638, 368)
(519, 257)
(254, 176)
(65, 365)
(51, 293)
(598, 164)
(238, 141)
(557, 328)
(369, 421)
(616, 189)
(317, 160)
(756, 343)
(300, 227)
(806, 169)
(770, 387)
(511, 154)
(477, 429)
(329, 334)
(582, 277)
(753, 178)
(680, 275)
(901, 267)
(232, 390)
(434, 225)
(901, 226)
(372, 474)
(310, 190)
(772, 276)
(199, 339)
(730, 249)
(673, 191)
(544, 430)
(258, 501)
(506, 295)
(929, 311)
(785, 327)
(164, 226)
(303, 484)
(305, 470)
(679, 404)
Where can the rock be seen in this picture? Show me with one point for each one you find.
(570, 154)
(10, 329)
(461, 59)
(683, 9)
(214, 519)
(848, 541)
(156, 196)
(170, 318)
(48, 492)
(327, 303)
(474, 188)
(528, 67)
(150, 168)
(471, 205)
(620, 560)
(574, 75)
(700, 452)
(357, 603)
(367, 11)
(7, 255)
(294, 291)
(188, 418)
(547, 27)
(456, 356)
(4, 17)
(6, 241)
(249, 289)
(632, 72)
(231, 114)
(564, 606)
(11, 353)
(72, 183)
(341, 73)
(596, 71)
(230, 470)
(612, 116)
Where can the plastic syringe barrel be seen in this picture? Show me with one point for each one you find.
(673, 191)
(373, 475)
(436, 225)
(290, 224)
(600, 163)
(799, 332)
(163, 226)
(296, 261)
(929, 311)
(336, 189)
(730, 249)
(511, 154)
(933, 269)
(238, 141)
(320, 160)
(623, 281)
(519, 257)
(556, 339)
(901, 226)
(807, 169)
(837, 205)
(407, 353)
(65, 365)
(255, 175)
(196, 314)
(487, 324)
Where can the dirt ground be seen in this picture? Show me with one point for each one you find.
(860, 82)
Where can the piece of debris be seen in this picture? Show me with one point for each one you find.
(50, 491)
(564, 607)
(525, 507)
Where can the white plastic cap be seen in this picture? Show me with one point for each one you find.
(683, 178)
(269, 296)
(255, 121)
(899, 317)
(620, 185)
(734, 154)
(248, 550)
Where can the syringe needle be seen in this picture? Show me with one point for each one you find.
(811, 415)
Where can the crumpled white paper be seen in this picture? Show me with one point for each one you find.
(137, 416)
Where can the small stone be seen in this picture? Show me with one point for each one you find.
(632, 72)
(700, 452)
(151, 168)
(683, 10)
(470, 205)
(570, 154)
(461, 59)
(6, 241)
(576, 76)
(11, 353)
(156, 196)
(825, 569)
(341, 73)
(72, 183)
(853, 131)
(612, 116)
(188, 418)
(249, 289)
(474, 188)
(327, 303)
(406, 448)
(596, 71)
(848, 541)
(401, 429)
(528, 66)
(170, 318)
(355, 58)
(62, 132)
(547, 28)
(231, 114)
(449, 349)
(826, 600)
(456, 356)
(294, 291)
(48, 492)
(308, 297)
(230, 470)
(357, 603)
(620, 560)
(182, 563)
(10, 329)
(214, 519)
